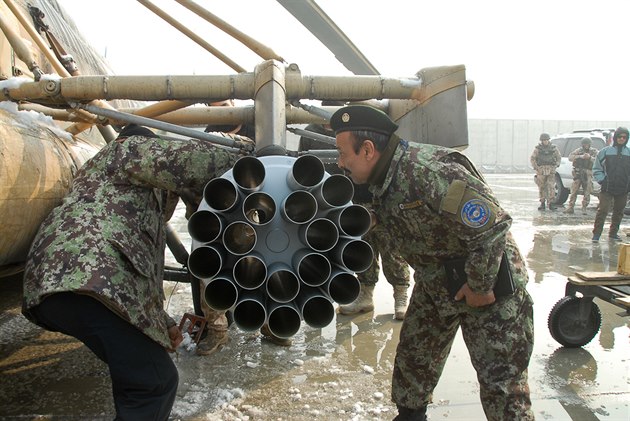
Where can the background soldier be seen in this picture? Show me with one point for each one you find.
(582, 158)
(545, 159)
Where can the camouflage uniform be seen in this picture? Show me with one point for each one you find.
(582, 175)
(436, 207)
(107, 239)
(545, 159)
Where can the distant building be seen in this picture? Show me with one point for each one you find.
(504, 146)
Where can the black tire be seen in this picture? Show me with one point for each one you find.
(566, 325)
(562, 193)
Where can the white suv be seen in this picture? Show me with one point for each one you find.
(567, 143)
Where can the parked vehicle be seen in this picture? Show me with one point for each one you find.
(567, 143)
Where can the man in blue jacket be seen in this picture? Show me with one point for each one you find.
(612, 171)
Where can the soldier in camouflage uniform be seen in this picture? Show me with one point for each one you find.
(545, 159)
(395, 269)
(95, 268)
(583, 159)
(437, 208)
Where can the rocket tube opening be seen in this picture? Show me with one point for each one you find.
(259, 208)
(250, 312)
(283, 284)
(250, 272)
(221, 194)
(320, 234)
(318, 311)
(205, 262)
(205, 226)
(316, 308)
(343, 287)
(249, 174)
(284, 320)
(337, 190)
(299, 207)
(352, 221)
(239, 238)
(307, 172)
(220, 293)
(312, 268)
(356, 255)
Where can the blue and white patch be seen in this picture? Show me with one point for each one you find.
(475, 213)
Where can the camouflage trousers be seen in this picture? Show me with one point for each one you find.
(499, 339)
(582, 180)
(395, 268)
(546, 186)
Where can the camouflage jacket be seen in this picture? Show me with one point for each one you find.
(581, 163)
(107, 237)
(437, 207)
(545, 159)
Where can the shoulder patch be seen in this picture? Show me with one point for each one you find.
(475, 213)
(454, 195)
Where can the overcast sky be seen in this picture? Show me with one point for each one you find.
(551, 59)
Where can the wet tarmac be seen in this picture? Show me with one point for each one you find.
(342, 372)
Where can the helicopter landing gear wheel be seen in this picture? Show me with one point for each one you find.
(574, 321)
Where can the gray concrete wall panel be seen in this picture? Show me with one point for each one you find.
(504, 146)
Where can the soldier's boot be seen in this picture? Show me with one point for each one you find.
(542, 205)
(569, 209)
(408, 414)
(400, 301)
(552, 206)
(362, 304)
(212, 342)
(584, 207)
(267, 334)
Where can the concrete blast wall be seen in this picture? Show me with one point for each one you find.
(504, 146)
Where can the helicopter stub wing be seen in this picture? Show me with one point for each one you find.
(309, 14)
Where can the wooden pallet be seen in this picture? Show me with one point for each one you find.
(599, 278)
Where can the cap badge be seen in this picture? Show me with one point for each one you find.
(345, 117)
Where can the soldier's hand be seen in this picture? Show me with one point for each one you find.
(586, 156)
(176, 337)
(472, 298)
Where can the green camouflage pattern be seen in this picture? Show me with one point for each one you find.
(436, 207)
(107, 238)
(582, 174)
(545, 159)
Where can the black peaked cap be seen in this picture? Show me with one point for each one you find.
(362, 117)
